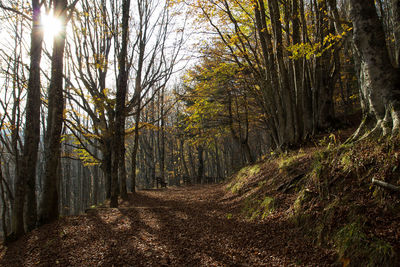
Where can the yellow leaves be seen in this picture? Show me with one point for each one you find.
(142, 126)
(346, 28)
(310, 50)
(8, 126)
(172, 3)
(234, 39)
(302, 49)
(64, 137)
(86, 158)
(90, 135)
(100, 61)
(79, 152)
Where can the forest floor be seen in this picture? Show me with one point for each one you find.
(187, 226)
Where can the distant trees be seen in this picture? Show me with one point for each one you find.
(218, 99)
(147, 60)
(89, 63)
(290, 55)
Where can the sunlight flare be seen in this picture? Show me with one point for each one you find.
(52, 26)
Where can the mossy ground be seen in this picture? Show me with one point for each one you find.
(326, 190)
(241, 178)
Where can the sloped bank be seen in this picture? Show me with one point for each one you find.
(327, 191)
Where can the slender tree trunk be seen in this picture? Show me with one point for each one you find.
(3, 206)
(79, 185)
(192, 165)
(49, 204)
(162, 138)
(200, 167)
(122, 85)
(96, 185)
(106, 165)
(272, 98)
(67, 175)
(298, 86)
(325, 74)
(305, 80)
(135, 147)
(60, 185)
(287, 98)
(137, 96)
(122, 167)
(186, 173)
(217, 162)
(27, 170)
(96, 179)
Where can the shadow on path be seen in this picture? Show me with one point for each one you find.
(174, 227)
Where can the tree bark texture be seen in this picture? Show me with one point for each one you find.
(122, 85)
(379, 80)
(49, 204)
(27, 170)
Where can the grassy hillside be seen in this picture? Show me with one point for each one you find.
(327, 191)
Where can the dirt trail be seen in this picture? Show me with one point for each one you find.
(195, 226)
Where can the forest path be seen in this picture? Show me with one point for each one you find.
(191, 226)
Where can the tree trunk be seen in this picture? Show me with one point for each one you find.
(378, 79)
(96, 179)
(49, 204)
(396, 28)
(305, 80)
(186, 173)
(217, 162)
(200, 167)
(106, 165)
(272, 99)
(67, 176)
(122, 167)
(135, 148)
(3, 206)
(324, 77)
(27, 169)
(297, 70)
(192, 165)
(287, 97)
(122, 85)
(162, 138)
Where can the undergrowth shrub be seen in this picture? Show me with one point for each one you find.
(258, 208)
(341, 179)
(239, 180)
(353, 244)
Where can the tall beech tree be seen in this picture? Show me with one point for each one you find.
(25, 179)
(55, 117)
(90, 68)
(120, 110)
(379, 80)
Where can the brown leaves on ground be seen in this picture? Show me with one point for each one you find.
(194, 226)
